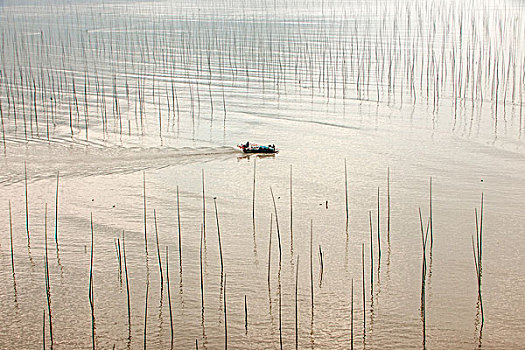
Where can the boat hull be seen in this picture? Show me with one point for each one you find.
(260, 150)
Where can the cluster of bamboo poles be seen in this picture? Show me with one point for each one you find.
(47, 281)
(187, 68)
(120, 249)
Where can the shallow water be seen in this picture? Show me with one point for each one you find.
(167, 91)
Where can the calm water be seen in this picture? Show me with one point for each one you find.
(163, 91)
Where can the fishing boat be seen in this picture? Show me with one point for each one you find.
(254, 148)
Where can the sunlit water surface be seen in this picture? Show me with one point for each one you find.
(140, 103)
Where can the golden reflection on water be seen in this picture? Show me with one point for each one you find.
(94, 95)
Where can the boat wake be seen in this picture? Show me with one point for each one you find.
(45, 159)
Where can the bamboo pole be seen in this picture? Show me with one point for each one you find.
(280, 303)
(119, 256)
(127, 284)
(291, 209)
(158, 250)
(346, 198)
(352, 317)
(371, 255)
(11, 240)
(179, 231)
(430, 205)
(145, 222)
(225, 317)
(480, 254)
(311, 266)
(27, 205)
(296, 305)
(321, 266)
(56, 212)
(270, 249)
(91, 289)
(388, 205)
(201, 272)
(276, 224)
(3, 129)
(253, 194)
(378, 231)
(245, 315)
(146, 314)
(47, 282)
(219, 234)
(364, 293)
(203, 208)
(169, 295)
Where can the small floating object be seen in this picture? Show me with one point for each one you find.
(254, 148)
